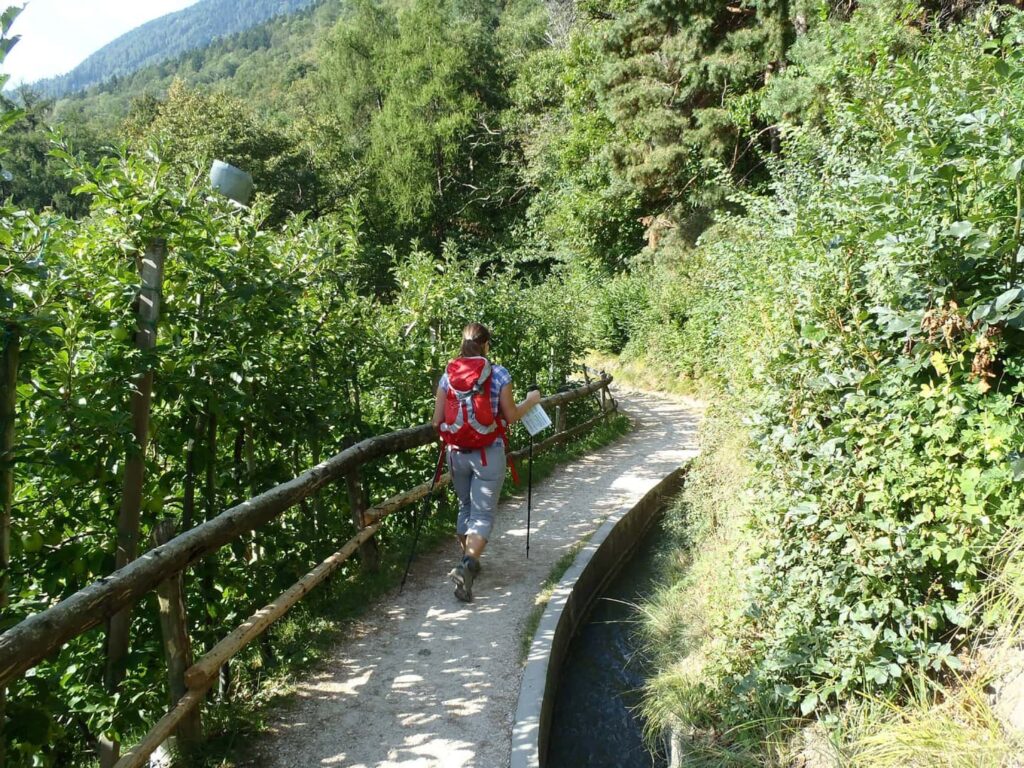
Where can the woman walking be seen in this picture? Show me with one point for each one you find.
(472, 410)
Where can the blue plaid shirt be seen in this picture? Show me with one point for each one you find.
(500, 378)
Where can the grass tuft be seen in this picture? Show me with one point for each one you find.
(547, 589)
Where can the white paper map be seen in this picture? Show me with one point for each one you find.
(535, 420)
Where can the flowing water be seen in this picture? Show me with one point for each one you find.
(595, 723)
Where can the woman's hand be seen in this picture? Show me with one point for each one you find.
(510, 410)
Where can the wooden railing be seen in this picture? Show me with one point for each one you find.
(162, 567)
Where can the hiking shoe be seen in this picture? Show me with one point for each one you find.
(462, 575)
(473, 566)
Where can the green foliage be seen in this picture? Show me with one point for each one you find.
(579, 205)
(192, 129)
(414, 97)
(672, 67)
(272, 353)
(37, 180)
(9, 114)
(867, 320)
(622, 304)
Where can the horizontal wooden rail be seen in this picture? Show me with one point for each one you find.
(203, 671)
(31, 641)
(561, 437)
(395, 503)
(40, 635)
(138, 756)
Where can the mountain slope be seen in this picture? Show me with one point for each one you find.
(165, 38)
(261, 65)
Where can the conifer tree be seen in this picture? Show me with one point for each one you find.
(414, 103)
(677, 65)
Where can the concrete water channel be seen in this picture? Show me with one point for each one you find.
(595, 722)
(580, 687)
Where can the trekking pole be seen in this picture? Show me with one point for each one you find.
(418, 520)
(529, 498)
(529, 488)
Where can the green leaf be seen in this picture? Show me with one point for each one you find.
(6, 43)
(956, 615)
(7, 18)
(960, 229)
(809, 704)
(1017, 467)
(812, 332)
(1008, 297)
(1013, 169)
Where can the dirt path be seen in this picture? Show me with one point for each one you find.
(427, 681)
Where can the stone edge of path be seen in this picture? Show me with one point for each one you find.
(596, 565)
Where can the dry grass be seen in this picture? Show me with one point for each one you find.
(938, 726)
(643, 376)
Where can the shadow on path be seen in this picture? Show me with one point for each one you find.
(427, 681)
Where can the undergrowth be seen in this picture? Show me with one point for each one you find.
(848, 540)
(693, 620)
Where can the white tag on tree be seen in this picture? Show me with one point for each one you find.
(535, 420)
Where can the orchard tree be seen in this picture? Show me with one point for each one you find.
(192, 129)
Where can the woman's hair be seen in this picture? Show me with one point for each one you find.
(474, 336)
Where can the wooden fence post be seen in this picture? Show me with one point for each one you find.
(118, 627)
(8, 404)
(369, 555)
(177, 646)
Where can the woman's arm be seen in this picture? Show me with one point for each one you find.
(510, 410)
(439, 408)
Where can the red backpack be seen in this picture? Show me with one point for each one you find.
(469, 421)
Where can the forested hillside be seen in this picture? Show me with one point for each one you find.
(263, 65)
(167, 37)
(809, 212)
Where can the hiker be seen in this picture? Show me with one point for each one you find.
(473, 408)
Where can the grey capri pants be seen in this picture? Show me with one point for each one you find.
(477, 486)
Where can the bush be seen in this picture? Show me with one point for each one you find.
(868, 317)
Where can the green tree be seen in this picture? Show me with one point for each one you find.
(672, 87)
(193, 128)
(414, 101)
(36, 179)
(578, 207)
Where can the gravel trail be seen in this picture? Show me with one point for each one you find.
(425, 681)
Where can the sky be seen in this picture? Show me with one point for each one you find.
(56, 35)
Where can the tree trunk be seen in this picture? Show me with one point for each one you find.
(118, 628)
(369, 555)
(8, 404)
(177, 646)
(210, 569)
